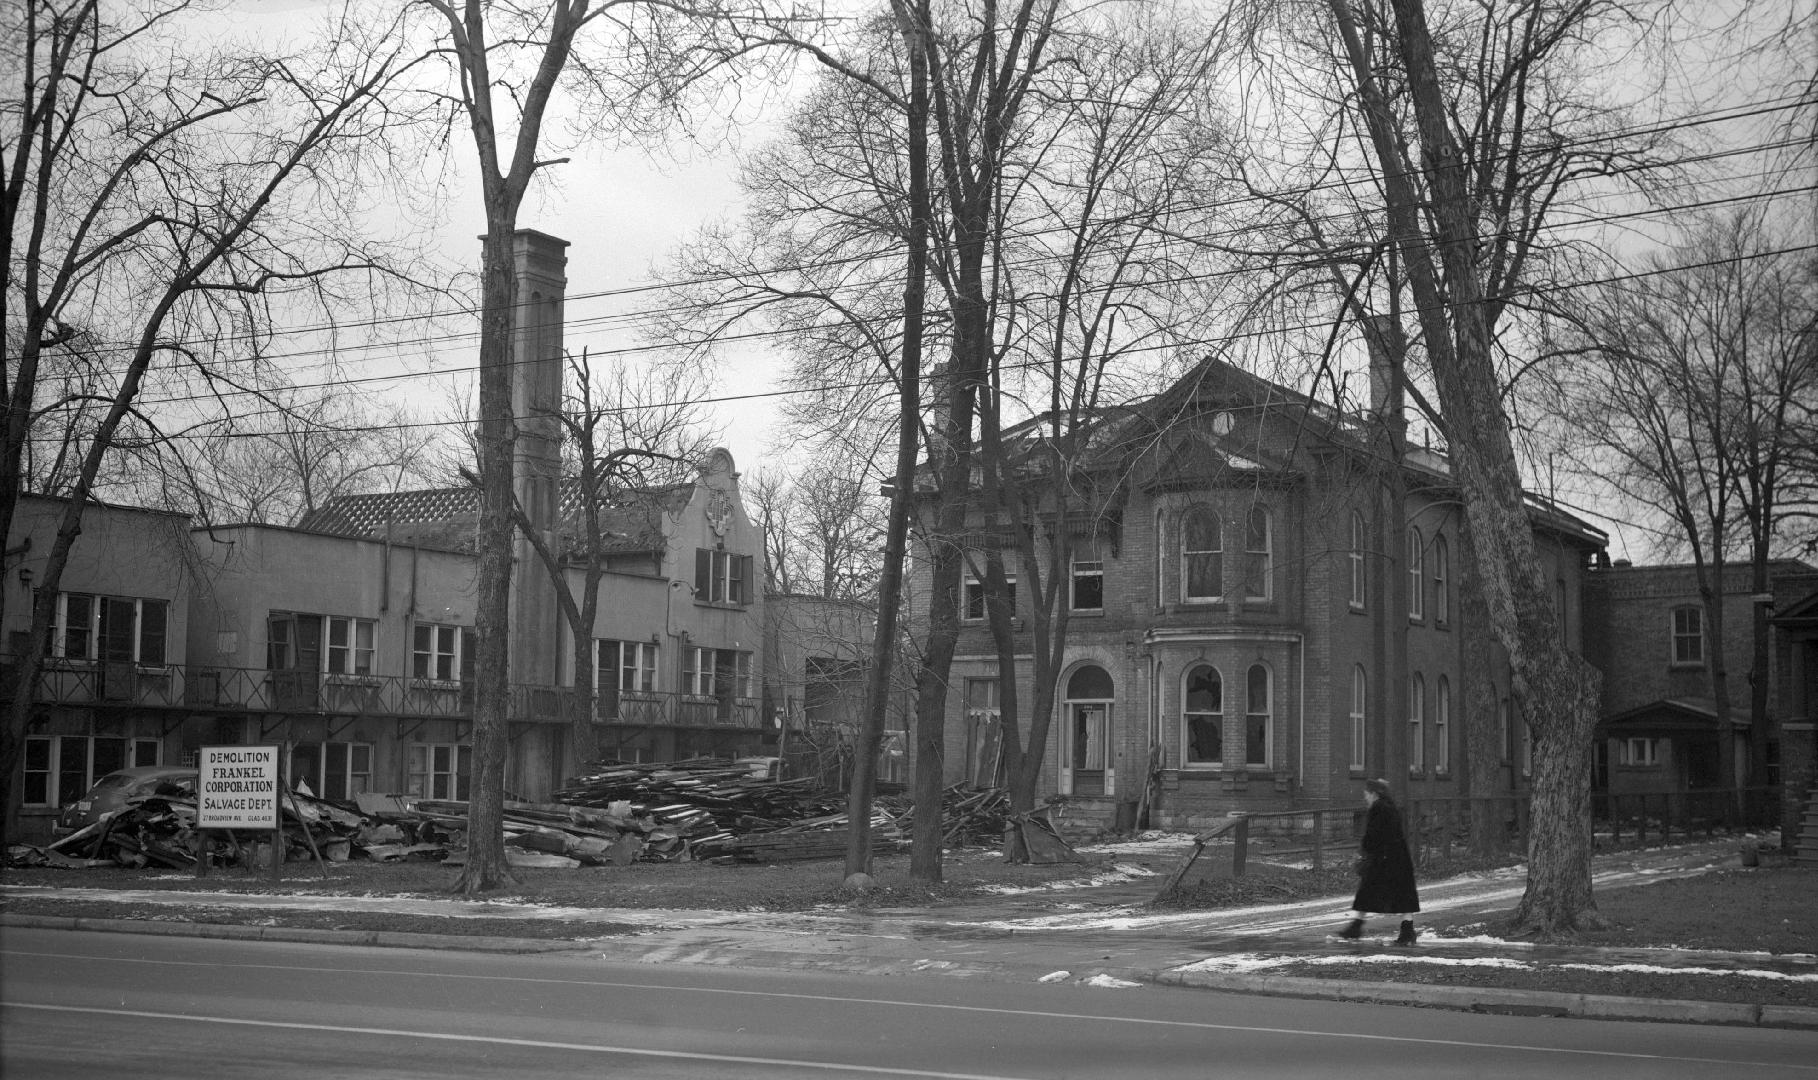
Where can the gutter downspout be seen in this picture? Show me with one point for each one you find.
(1300, 769)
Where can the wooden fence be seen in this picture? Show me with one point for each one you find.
(1442, 826)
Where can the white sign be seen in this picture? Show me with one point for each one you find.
(237, 787)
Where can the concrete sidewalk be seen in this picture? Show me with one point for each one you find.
(1102, 937)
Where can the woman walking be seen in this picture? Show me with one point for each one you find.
(1386, 868)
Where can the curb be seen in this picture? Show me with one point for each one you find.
(1487, 999)
(391, 939)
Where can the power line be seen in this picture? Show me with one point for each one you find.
(1688, 121)
(753, 335)
(879, 382)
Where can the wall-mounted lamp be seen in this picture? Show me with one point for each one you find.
(25, 576)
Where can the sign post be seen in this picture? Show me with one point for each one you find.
(237, 788)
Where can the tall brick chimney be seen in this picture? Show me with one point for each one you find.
(539, 263)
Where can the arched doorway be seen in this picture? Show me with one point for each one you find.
(1086, 765)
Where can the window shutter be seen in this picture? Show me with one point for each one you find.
(469, 645)
(703, 573)
(745, 582)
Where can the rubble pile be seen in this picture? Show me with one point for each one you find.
(619, 813)
(160, 830)
(721, 810)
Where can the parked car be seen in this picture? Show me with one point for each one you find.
(112, 791)
(763, 768)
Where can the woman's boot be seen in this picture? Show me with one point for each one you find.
(1406, 937)
(1351, 931)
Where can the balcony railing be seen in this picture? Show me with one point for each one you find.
(178, 686)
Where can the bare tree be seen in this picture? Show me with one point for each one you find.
(623, 437)
(620, 62)
(1694, 395)
(768, 492)
(1467, 118)
(1093, 280)
(157, 197)
(1059, 159)
(277, 463)
(822, 526)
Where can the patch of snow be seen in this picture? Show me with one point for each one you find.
(1254, 962)
(1112, 982)
(1116, 874)
(1661, 969)
(1056, 976)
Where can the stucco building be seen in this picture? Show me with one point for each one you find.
(349, 639)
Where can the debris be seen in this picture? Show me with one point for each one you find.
(619, 813)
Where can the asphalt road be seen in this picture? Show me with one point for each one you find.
(129, 1006)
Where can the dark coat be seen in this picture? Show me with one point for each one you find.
(1386, 867)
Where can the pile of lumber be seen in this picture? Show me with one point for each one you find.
(716, 809)
(974, 817)
(618, 814)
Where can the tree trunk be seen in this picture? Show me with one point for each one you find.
(486, 868)
(912, 24)
(1482, 727)
(1556, 688)
(1558, 897)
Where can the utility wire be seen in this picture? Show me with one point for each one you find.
(1211, 344)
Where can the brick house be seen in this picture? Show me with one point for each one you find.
(1263, 613)
(1648, 630)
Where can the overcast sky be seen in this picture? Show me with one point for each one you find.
(623, 212)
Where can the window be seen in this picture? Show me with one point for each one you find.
(1360, 688)
(1358, 538)
(975, 592)
(108, 628)
(59, 769)
(1161, 559)
(982, 700)
(1259, 564)
(1256, 717)
(318, 643)
(625, 665)
(436, 652)
(1688, 635)
(1203, 718)
(333, 770)
(1442, 598)
(1417, 575)
(438, 770)
(722, 577)
(717, 673)
(1417, 707)
(1442, 726)
(1202, 557)
(1088, 579)
(350, 646)
(1640, 752)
